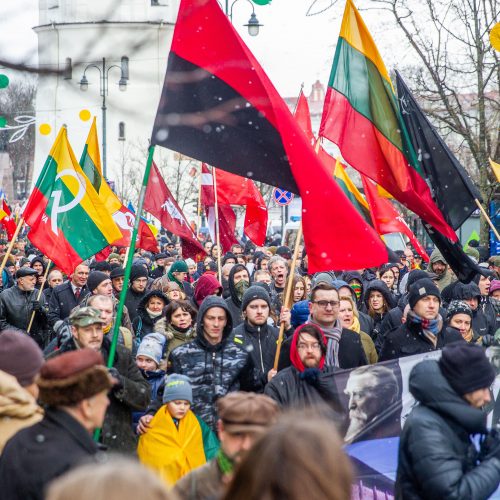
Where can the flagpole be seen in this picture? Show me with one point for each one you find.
(483, 211)
(288, 293)
(217, 233)
(199, 203)
(11, 245)
(39, 295)
(128, 266)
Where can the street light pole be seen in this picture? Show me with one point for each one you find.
(253, 24)
(103, 92)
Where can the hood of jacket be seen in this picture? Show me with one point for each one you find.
(206, 285)
(141, 308)
(15, 402)
(379, 286)
(232, 290)
(208, 303)
(462, 291)
(430, 388)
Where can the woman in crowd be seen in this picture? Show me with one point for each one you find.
(386, 274)
(378, 300)
(299, 289)
(149, 312)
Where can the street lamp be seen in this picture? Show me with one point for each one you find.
(253, 24)
(103, 87)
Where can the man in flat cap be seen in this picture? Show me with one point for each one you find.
(17, 304)
(243, 417)
(74, 388)
(131, 393)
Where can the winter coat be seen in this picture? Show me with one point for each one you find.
(392, 320)
(214, 370)
(134, 394)
(175, 338)
(63, 301)
(132, 301)
(447, 277)
(38, 454)
(233, 302)
(390, 300)
(143, 323)
(437, 459)
(203, 483)
(18, 408)
(15, 313)
(156, 381)
(260, 342)
(409, 339)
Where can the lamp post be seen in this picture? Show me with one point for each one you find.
(103, 87)
(253, 24)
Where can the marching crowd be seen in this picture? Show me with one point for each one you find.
(204, 395)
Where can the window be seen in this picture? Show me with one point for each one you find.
(121, 131)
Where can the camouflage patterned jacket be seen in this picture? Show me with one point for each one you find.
(214, 370)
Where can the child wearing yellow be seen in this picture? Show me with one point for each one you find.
(177, 441)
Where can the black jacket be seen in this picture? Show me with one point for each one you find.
(16, 307)
(132, 301)
(134, 394)
(351, 352)
(437, 460)
(260, 342)
(233, 302)
(390, 300)
(63, 301)
(409, 339)
(42, 452)
(143, 322)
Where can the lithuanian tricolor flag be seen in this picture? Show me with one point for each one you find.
(361, 115)
(90, 162)
(68, 222)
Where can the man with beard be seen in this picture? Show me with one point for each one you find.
(243, 417)
(373, 391)
(440, 268)
(239, 281)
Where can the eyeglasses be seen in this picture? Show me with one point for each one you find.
(305, 347)
(325, 303)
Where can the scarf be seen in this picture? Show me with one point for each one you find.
(106, 329)
(226, 465)
(430, 327)
(332, 335)
(153, 314)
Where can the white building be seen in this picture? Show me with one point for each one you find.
(75, 33)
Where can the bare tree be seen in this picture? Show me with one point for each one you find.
(458, 76)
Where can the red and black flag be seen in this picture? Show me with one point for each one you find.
(219, 106)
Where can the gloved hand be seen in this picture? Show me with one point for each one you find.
(116, 375)
(311, 375)
(488, 340)
(490, 446)
(35, 305)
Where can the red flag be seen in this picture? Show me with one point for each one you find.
(125, 220)
(303, 117)
(386, 218)
(219, 106)
(160, 203)
(227, 217)
(7, 220)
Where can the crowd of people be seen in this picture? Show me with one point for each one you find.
(215, 381)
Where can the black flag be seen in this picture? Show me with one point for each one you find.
(453, 190)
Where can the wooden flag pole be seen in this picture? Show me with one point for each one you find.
(217, 233)
(483, 211)
(288, 293)
(128, 267)
(39, 295)
(11, 245)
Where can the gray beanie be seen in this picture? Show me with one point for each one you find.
(252, 293)
(152, 346)
(178, 388)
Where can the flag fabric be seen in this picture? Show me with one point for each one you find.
(387, 219)
(219, 106)
(227, 217)
(90, 162)
(236, 190)
(160, 203)
(303, 117)
(496, 169)
(454, 191)
(68, 221)
(362, 118)
(7, 220)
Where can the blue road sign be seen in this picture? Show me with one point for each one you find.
(282, 197)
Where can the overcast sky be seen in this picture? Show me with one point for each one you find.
(293, 48)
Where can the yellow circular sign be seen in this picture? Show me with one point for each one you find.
(85, 115)
(45, 129)
(495, 37)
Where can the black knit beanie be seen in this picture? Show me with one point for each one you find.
(420, 289)
(95, 279)
(254, 292)
(466, 367)
(138, 271)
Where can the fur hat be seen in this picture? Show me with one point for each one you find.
(72, 377)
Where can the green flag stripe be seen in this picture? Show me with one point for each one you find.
(360, 208)
(90, 169)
